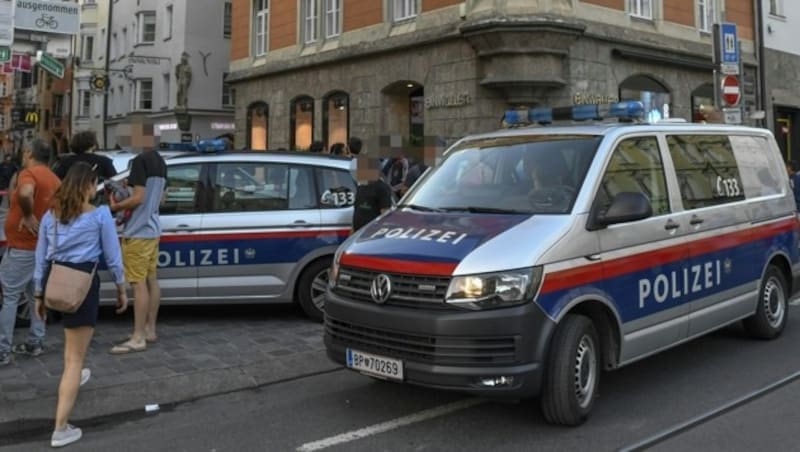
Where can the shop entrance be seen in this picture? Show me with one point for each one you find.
(787, 132)
(404, 114)
(258, 126)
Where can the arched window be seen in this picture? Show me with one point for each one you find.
(703, 109)
(258, 126)
(653, 94)
(335, 118)
(302, 123)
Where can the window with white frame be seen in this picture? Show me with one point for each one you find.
(310, 20)
(112, 102)
(168, 22)
(642, 8)
(124, 43)
(776, 7)
(165, 87)
(85, 103)
(261, 26)
(3, 88)
(147, 27)
(2, 120)
(333, 18)
(227, 91)
(121, 100)
(87, 48)
(115, 48)
(706, 14)
(404, 9)
(144, 94)
(227, 20)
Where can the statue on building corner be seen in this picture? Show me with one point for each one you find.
(183, 75)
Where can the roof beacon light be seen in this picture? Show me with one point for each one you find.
(628, 110)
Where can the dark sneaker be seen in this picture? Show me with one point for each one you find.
(28, 349)
(5, 359)
(69, 435)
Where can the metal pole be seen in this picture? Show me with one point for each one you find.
(107, 67)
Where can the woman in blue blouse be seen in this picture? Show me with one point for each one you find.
(75, 233)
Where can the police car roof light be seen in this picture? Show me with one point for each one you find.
(591, 112)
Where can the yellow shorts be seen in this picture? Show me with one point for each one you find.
(140, 258)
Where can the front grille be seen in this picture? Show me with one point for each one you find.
(442, 350)
(412, 291)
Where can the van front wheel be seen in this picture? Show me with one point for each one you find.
(311, 288)
(572, 375)
(771, 313)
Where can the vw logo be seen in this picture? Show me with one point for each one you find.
(381, 289)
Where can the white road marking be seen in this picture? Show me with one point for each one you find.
(389, 425)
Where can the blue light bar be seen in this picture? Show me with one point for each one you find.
(216, 145)
(627, 110)
(541, 115)
(177, 146)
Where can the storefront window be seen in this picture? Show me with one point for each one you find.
(648, 91)
(302, 123)
(417, 116)
(258, 126)
(703, 109)
(336, 118)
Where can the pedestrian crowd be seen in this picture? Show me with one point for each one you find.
(55, 238)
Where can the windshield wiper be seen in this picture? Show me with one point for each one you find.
(474, 209)
(417, 207)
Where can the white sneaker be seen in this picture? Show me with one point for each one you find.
(69, 435)
(86, 374)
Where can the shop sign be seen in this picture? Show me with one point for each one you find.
(47, 16)
(152, 61)
(447, 101)
(584, 98)
(223, 126)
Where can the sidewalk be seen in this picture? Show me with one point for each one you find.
(196, 356)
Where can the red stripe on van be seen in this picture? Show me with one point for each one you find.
(397, 265)
(594, 272)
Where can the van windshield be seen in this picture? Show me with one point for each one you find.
(537, 174)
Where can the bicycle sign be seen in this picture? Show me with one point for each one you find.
(48, 21)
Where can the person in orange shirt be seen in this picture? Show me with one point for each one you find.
(30, 199)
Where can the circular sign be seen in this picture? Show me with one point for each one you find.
(731, 92)
(99, 82)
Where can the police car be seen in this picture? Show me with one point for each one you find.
(249, 227)
(533, 258)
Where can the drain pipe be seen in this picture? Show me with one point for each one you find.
(758, 5)
(107, 67)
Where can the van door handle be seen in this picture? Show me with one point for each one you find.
(696, 220)
(183, 226)
(671, 225)
(300, 224)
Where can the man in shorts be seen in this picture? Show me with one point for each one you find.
(140, 236)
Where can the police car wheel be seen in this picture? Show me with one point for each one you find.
(311, 288)
(771, 313)
(572, 375)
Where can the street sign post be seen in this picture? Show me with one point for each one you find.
(731, 91)
(51, 65)
(727, 49)
(5, 54)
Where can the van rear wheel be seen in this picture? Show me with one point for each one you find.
(572, 375)
(311, 288)
(772, 311)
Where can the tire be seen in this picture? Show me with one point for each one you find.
(311, 288)
(772, 311)
(572, 375)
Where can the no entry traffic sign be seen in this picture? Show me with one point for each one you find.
(731, 91)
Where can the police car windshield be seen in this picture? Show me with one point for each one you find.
(534, 174)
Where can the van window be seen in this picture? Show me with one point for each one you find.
(536, 174)
(251, 187)
(181, 194)
(706, 169)
(337, 188)
(761, 175)
(635, 167)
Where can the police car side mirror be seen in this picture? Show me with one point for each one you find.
(626, 207)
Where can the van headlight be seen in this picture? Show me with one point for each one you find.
(494, 290)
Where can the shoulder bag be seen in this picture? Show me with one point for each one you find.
(66, 287)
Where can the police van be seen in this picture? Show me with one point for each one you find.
(248, 227)
(534, 258)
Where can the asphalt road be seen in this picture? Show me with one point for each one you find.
(343, 411)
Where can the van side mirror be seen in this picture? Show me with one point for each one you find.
(625, 207)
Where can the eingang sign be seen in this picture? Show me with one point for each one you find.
(48, 16)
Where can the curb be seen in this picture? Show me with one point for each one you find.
(99, 401)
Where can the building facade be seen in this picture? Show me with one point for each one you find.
(89, 79)
(147, 41)
(781, 55)
(418, 74)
